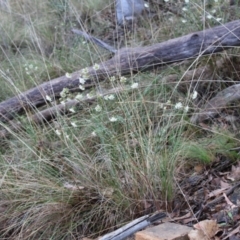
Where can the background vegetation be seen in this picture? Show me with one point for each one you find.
(122, 156)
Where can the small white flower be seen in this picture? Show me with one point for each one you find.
(184, 20)
(209, 16)
(112, 79)
(146, 5)
(194, 95)
(63, 102)
(68, 75)
(112, 119)
(219, 19)
(134, 85)
(109, 97)
(186, 1)
(93, 134)
(98, 108)
(123, 79)
(178, 105)
(85, 71)
(186, 108)
(184, 9)
(57, 131)
(82, 80)
(96, 66)
(81, 87)
(168, 102)
(67, 136)
(64, 92)
(79, 97)
(72, 110)
(48, 98)
(89, 96)
(166, 0)
(74, 124)
(85, 76)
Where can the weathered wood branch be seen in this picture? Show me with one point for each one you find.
(46, 115)
(61, 109)
(127, 61)
(42, 116)
(217, 103)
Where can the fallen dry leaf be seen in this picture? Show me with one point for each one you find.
(235, 173)
(205, 230)
(197, 235)
(224, 184)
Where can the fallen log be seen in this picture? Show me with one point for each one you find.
(127, 61)
(52, 112)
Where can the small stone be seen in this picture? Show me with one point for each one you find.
(165, 231)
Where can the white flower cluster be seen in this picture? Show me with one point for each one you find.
(109, 97)
(30, 68)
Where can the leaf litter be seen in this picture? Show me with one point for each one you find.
(212, 197)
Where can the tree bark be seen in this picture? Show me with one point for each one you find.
(127, 61)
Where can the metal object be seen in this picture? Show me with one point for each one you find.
(134, 226)
(127, 10)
